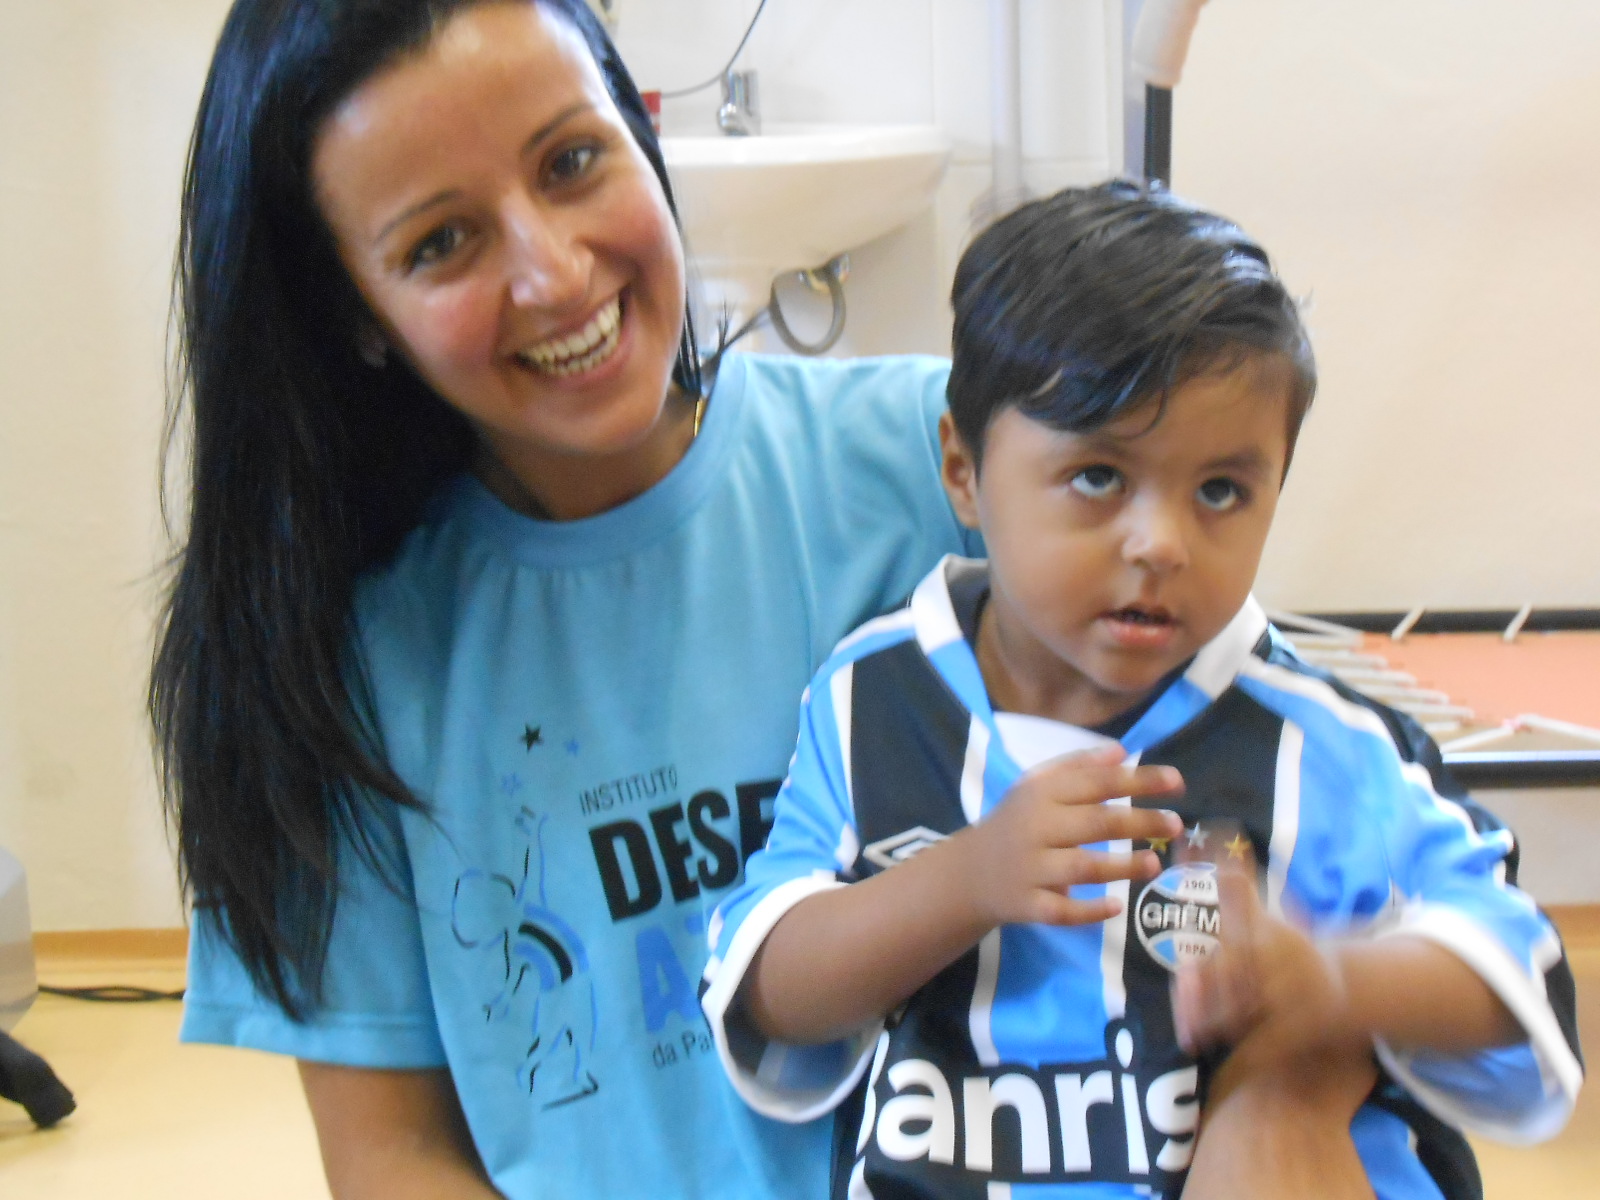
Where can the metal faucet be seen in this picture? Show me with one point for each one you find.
(740, 114)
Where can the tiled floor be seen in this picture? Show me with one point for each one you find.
(159, 1121)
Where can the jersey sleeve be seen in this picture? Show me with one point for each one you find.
(813, 840)
(1443, 878)
(377, 1009)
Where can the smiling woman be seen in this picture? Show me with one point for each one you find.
(513, 242)
(480, 664)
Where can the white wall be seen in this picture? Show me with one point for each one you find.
(916, 61)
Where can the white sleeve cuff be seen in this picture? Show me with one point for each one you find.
(787, 1082)
(1491, 1105)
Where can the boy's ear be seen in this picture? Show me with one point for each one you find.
(958, 469)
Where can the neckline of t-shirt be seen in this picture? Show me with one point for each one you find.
(630, 527)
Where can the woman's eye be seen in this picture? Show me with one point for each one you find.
(1219, 495)
(572, 162)
(1096, 482)
(438, 245)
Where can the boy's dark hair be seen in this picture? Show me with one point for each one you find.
(1083, 306)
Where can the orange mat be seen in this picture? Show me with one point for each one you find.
(1555, 675)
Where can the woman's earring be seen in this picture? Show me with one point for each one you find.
(372, 347)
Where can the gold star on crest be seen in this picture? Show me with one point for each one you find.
(1159, 845)
(1237, 846)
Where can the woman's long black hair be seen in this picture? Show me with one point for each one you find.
(307, 466)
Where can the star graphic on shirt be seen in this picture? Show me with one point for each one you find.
(1237, 846)
(1198, 836)
(532, 736)
(571, 747)
(1159, 845)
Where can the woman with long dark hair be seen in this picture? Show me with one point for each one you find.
(479, 669)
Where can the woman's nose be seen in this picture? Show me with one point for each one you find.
(546, 266)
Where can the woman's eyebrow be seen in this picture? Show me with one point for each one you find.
(539, 135)
(416, 210)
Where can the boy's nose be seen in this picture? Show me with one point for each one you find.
(546, 266)
(1155, 539)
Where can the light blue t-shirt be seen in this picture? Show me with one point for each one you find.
(600, 713)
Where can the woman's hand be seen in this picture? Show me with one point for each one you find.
(1267, 980)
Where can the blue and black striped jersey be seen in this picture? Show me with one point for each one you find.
(1043, 1062)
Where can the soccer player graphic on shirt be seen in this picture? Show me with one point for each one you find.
(537, 967)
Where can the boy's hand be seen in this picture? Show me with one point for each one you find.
(1023, 857)
(1266, 980)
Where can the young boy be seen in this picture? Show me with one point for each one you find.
(956, 918)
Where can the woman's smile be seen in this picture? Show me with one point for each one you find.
(581, 352)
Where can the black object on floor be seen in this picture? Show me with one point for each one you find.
(28, 1080)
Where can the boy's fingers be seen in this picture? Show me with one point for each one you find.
(1095, 776)
(1072, 867)
(1143, 823)
(1056, 909)
(1186, 1018)
(1241, 906)
(1215, 1000)
(1109, 823)
(1189, 1016)
(1200, 1010)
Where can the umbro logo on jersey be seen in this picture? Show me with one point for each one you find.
(901, 846)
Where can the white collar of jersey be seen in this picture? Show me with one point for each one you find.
(1214, 668)
(933, 616)
(1222, 658)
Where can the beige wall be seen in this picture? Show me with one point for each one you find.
(1428, 171)
(95, 103)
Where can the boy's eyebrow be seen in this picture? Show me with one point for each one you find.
(532, 143)
(1241, 460)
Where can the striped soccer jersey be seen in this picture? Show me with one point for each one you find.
(1043, 1062)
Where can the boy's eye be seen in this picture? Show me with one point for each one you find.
(437, 246)
(1219, 495)
(571, 163)
(1096, 483)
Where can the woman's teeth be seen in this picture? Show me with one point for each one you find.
(581, 351)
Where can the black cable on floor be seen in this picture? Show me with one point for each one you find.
(111, 993)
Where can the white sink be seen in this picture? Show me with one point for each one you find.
(797, 195)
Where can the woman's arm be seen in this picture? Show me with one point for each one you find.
(393, 1135)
